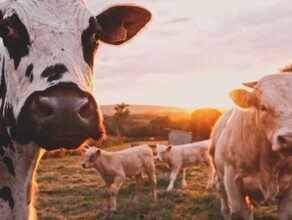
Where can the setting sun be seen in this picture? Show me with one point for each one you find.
(187, 91)
(193, 53)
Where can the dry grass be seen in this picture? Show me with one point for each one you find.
(66, 191)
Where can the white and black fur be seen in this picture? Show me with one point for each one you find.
(46, 72)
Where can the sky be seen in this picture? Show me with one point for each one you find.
(194, 52)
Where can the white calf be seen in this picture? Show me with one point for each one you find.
(114, 167)
(180, 157)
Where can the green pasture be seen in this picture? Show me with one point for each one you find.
(66, 191)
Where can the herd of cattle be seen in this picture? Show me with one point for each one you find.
(114, 167)
(46, 103)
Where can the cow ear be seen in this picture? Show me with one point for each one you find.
(3, 7)
(243, 98)
(121, 23)
(169, 147)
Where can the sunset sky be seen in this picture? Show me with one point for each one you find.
(194, 52)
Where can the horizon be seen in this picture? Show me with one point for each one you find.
(193, 53)
(158, 108)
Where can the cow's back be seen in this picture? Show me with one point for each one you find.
(135, 159)
(189, 154)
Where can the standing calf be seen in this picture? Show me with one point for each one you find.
(179, 157)
(114, 167)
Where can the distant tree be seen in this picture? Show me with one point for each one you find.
(108, 123)
(140, 131)
(180, 124)
(159, 124)
(202, 122)
(119, 119)
(287, 68)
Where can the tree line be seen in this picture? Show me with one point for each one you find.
(126, 126)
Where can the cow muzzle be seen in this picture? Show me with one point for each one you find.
(283, 142)
(62, 116)
(156, 158)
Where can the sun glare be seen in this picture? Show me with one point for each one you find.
(189, 92)
(216, 49)
(203, 91)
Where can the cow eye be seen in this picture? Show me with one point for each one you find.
(263, 108)
(91, 158)
(6, 30)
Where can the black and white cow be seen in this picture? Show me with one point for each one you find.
(46, 72)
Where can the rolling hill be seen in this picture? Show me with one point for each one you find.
(146, 109)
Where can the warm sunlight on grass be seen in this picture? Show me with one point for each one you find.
(66, 191)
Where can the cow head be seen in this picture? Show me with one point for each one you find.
(162, 152)
(47, 68)
(271, 98)
(91, 156)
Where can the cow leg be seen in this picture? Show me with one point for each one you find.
(183, 174)
(118, 181)
(225, 210)
(234, 189)
(109, 188)
(173, 176)
(112, 190)
(139, 184)
(210, 177)
(152, 179)
(284, 205)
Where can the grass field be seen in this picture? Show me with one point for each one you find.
(66, 191)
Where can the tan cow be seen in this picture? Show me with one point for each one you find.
(179, 157)
(114, 167)
(252, 146)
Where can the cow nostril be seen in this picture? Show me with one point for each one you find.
(42, 106)
(282, 140)
(85, 110)
(285, 141)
